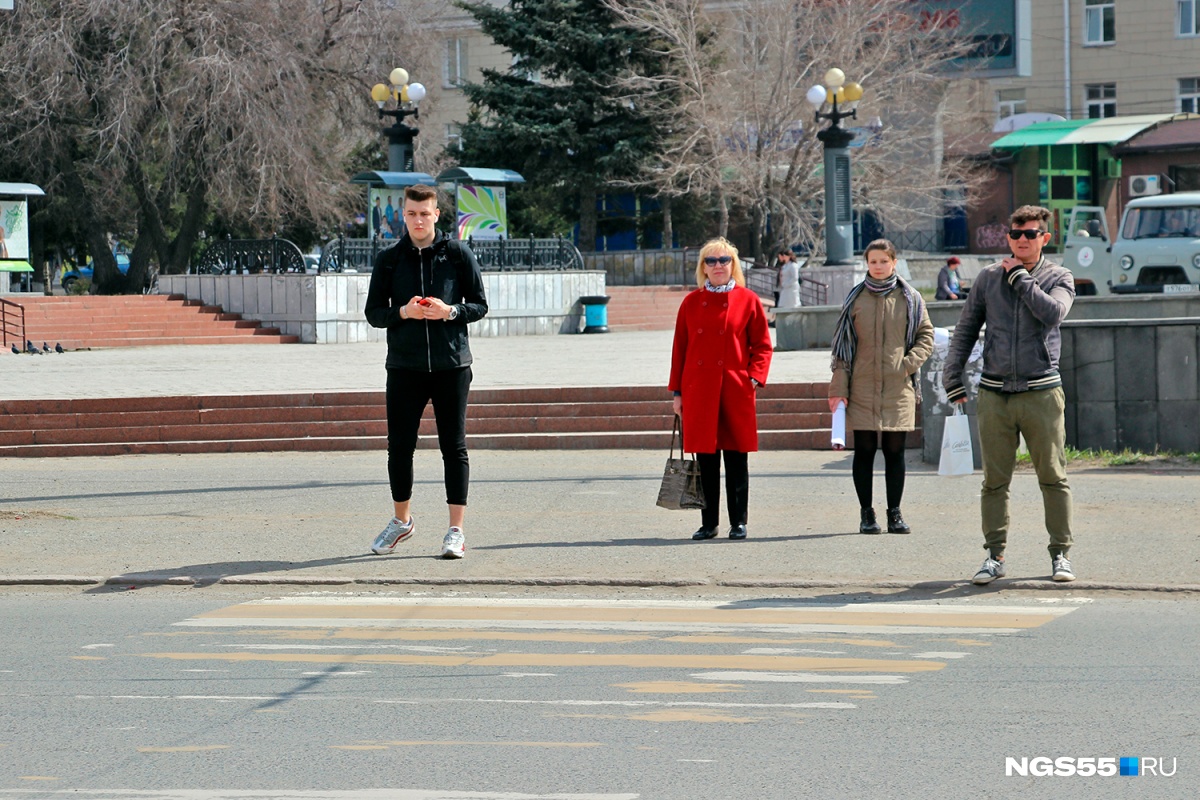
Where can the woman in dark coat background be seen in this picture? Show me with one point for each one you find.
(721, 355)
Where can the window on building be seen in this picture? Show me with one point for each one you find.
(1009, 102)
(1189, 95)
(1188, 13)
(454, 69)
(1099, 22)
(454, 136)
(1101, 100)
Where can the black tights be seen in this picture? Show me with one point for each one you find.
(865, 445)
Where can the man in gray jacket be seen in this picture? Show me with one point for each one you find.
(1022, 299)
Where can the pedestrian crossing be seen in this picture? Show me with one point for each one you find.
(672, 655)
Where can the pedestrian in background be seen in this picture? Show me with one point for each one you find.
(1022, 299)
(881, 339)
(424, 290)
(788, 295)
(720, 357)
(948, 286)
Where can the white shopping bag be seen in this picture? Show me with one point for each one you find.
(957, 458)
(837, 438)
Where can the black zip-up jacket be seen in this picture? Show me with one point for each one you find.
(1023, 310)
(447, 269)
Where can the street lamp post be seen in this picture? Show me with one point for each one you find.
(839, 212)
(400, 136)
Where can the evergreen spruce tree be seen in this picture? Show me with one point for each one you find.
(555, 116)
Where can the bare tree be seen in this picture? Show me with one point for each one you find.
(153, 115)
(741, 130)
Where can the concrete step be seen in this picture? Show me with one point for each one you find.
(790, 416)
(137, 321)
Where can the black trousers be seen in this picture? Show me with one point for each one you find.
(408, 393)
(737, 486)
(865, 445)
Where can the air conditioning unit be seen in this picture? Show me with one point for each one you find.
(1143, 185)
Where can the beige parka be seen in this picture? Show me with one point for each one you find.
(882, 397)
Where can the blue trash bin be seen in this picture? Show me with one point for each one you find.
(595, 311)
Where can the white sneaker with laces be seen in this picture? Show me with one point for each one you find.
(990, 570)
(454, 545)
(1062, 569)
(395, 532)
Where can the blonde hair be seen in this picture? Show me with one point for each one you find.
(719, 246)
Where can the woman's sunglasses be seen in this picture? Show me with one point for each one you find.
(712, 261)
(1017, 233)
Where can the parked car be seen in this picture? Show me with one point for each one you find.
(69, 277)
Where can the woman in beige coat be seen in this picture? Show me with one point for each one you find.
(882, 337)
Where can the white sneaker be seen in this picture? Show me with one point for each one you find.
(396, 531)
(455, 544)
(990, 570)
(1061, 569)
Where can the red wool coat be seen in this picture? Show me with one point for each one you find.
(721, 342)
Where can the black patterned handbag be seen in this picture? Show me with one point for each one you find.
(681, 488)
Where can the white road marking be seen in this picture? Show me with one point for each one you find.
(779, 651)
(414, 648)
(798, 677)
(529, 674)
(285, 794)
(479, 700)
(96, 646)
(592, 625)
(940, 655)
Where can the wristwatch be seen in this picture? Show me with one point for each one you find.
(453, 313)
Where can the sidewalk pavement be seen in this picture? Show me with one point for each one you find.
(584, 518)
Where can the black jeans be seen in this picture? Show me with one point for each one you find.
(408, 392)
(865, 445)
(737, 486)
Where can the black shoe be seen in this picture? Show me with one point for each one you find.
(868, 523)
(896, 523)
(704, 533)
(737, 532)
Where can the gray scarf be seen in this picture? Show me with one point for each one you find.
(845, 338)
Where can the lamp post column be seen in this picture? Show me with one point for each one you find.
(399, 135)
(839, 213)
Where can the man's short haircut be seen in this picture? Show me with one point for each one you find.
(1026, 214)
(881, 244)
(419, 193)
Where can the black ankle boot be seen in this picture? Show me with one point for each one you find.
(896, 523)
(868, 523)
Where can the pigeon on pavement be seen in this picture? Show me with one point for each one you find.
(58, 348)
(29, 348)
(45, 347)
(15, 350)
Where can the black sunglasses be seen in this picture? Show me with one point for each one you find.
(1028, 233)
(712, 261)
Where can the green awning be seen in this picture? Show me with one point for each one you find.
(15, 266)
(1112, 130)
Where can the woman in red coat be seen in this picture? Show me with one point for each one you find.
(721, 355)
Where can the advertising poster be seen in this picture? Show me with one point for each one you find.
(385, 213)
(482, 212)
(14, 230)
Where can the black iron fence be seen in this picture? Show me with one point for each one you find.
(668, 267)
(250, 257)
(494, 255)
(917, 241)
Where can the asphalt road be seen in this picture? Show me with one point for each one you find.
(207, 693)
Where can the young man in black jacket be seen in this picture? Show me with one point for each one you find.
(424, 290)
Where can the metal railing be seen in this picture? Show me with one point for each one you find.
(813, 293)
(12, 322)
(493, 255)
(250, 257)
(917, 241)
(668, 267)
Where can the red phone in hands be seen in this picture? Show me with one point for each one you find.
(424, 301)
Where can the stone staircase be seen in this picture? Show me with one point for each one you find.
(137, 320)
(790, 417)
(644, 308)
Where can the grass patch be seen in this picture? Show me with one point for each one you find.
(1121, 458)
